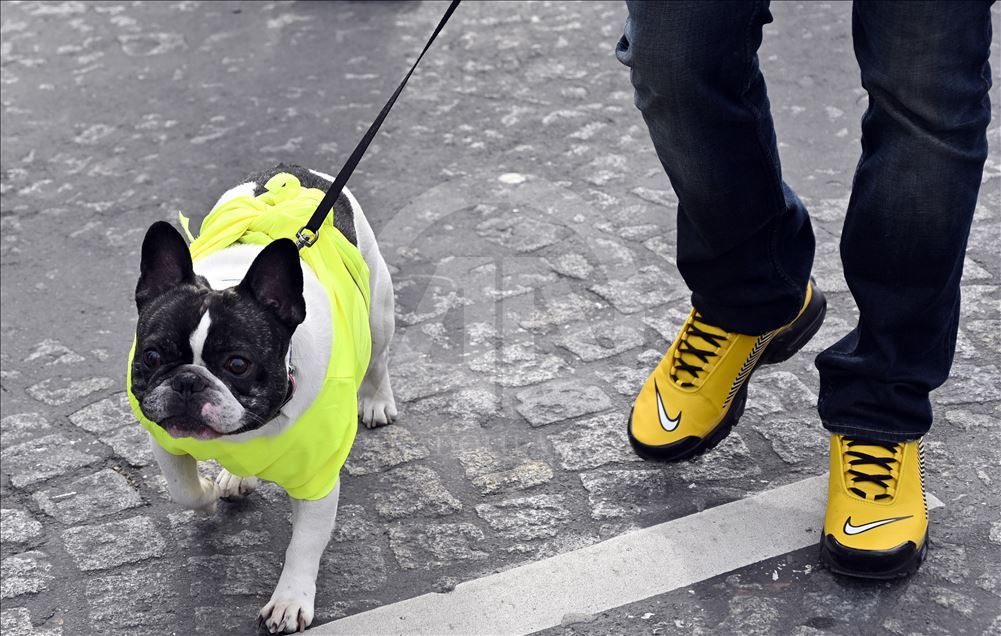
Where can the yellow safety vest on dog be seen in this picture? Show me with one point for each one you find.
(306, 458)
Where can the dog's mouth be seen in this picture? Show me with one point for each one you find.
(185, 427)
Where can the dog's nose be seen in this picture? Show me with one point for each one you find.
(187, 382)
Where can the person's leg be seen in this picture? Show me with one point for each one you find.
(745, 244)
(925, 66)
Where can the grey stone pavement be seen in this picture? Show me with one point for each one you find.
(529, 228)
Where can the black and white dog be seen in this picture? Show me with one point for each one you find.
(191, 309)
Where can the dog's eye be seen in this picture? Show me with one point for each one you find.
(151, 358)
(237, 365)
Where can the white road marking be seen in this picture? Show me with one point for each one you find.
(621, 570)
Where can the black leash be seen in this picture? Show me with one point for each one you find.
(308, 233)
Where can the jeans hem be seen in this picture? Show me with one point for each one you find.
(867, 432)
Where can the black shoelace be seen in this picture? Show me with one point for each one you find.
(699, 358)
(865, 459)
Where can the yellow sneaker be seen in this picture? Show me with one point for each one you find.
(696, 394)
(876, 525)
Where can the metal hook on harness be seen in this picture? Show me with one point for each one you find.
(305, 237)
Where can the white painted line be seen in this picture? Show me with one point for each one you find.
(621, 570)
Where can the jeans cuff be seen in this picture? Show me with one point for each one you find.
(867, 432)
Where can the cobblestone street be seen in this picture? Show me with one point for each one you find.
(529, 228)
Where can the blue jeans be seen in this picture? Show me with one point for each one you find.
(745, 243)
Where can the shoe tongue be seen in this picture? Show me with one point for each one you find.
(870, 488)
(874, 449)
(695, 341)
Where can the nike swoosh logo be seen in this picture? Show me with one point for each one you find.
(665, 422)
(853, 530)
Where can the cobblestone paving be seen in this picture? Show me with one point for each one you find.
(529, 229)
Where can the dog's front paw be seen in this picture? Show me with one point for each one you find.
(290, 611)
(229, 486)
(376, 408)
(203, 499)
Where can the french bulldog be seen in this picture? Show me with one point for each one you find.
(235, 347)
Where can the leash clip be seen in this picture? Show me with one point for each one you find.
(305, 237)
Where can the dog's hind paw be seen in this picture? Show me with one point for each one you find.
(376, 404)
(375, 412)
(376, 407)
(286, 615)
(229, 486)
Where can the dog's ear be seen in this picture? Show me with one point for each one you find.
(275, 281)
(165, 263)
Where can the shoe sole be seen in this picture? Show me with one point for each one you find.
(880, 565)
(781, 348)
